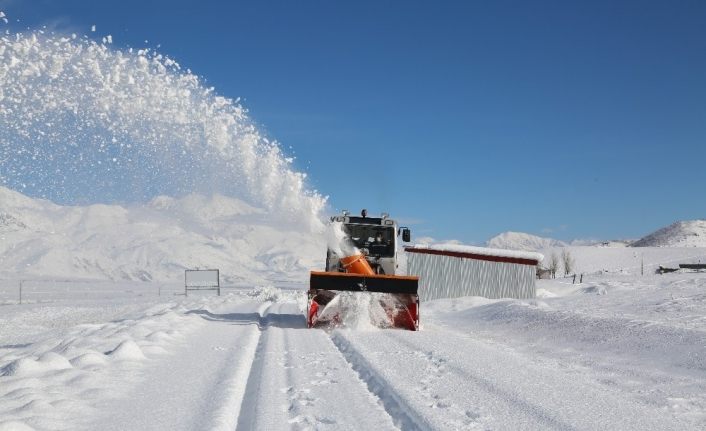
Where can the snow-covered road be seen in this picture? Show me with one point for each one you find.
(443, 380)
(197, 386)
(251, 365)
(247, 362)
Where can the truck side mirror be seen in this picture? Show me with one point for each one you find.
(406, 234)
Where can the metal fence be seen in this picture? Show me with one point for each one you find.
(41, 291)
(32, 291)
(202, 279)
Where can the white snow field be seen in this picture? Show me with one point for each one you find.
(105, 339)
(154, 241)
(616, 352)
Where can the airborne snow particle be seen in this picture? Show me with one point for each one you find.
(176, 136)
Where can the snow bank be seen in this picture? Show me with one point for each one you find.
(50, 383)
(628, 332)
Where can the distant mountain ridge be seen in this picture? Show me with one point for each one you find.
(152, 241)
(522, 241)
(689, 233)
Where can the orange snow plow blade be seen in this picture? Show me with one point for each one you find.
(396, 295)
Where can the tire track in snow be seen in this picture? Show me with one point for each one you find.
(226, 417)
(248, 403)
(302, 398)
(199, 385)
(439, 367)
(300, 381)
(271, 397)
(403, 415)
(507, 390)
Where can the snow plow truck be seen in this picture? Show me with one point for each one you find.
(370, 267)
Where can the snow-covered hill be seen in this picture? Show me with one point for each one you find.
(154, 241)
(690, 233)
(522, 241)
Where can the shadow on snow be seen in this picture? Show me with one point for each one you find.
(291, 321)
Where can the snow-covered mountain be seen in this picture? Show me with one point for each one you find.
(153, 241)
(522, 241)
(690, 233)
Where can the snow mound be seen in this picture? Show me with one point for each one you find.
(49, 361)
(90, 359)
(691, 233)
(522, 241)
(265, 294)
(52, 383)
(15, 426)
(128, 350)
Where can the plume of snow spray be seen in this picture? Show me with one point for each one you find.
(83, 122)
(338, 240)
(358, 310)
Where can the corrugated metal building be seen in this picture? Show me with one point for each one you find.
(452, 271)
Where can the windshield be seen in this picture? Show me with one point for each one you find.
(379, 240)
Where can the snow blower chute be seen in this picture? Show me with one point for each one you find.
(366, 264)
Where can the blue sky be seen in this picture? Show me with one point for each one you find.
(464, 119)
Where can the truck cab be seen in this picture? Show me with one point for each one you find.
(375, 237)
